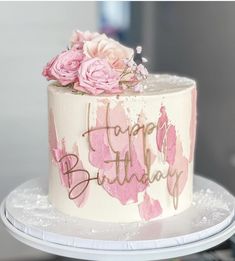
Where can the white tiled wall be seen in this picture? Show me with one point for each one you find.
(30, 34)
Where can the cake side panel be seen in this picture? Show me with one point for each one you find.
(148, 144)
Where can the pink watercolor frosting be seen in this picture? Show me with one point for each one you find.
(113, 149)
(53, 143)
(181, 165)
(100, 151)
(59, 152)
(126, 192)
(166, 137)
(66, 161)
(171, 147)
(138, 143)
(149, 208)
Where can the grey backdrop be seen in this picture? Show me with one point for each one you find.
(197, 39)
(31, 34)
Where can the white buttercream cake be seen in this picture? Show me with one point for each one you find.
(121, 149)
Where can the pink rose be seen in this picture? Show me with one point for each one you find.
(64, 67)
(97, 76)
(106, 48)
(47, 69)
(78, 38)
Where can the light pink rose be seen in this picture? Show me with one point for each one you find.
(78, 38)
(47, 69)
(106, 48)
(64, 67)
(97, 76)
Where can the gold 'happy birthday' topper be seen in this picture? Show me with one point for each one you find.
(147, 178)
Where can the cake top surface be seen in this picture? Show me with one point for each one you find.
(94, 64)
(155, 84)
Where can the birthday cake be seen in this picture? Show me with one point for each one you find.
(121, 140)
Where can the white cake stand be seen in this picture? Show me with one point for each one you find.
(30, 218)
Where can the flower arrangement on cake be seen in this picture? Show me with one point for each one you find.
(95, 64)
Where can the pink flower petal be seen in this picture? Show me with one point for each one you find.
(149, 208)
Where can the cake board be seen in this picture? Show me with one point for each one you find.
(134, 242)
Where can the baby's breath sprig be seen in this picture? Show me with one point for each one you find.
(134, 72)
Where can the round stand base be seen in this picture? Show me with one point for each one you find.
(30, 218)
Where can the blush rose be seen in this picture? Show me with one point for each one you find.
(96, 76)
(109, 49)
(78, 38)
(64, 67)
